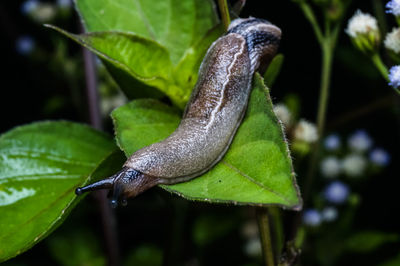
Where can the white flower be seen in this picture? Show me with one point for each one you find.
(354, 165)
(331, 166)
(393, 7)
(306, 131)
(360, 141)
(329, 214)
(364, 32)
(394, 76)
(336, 192)
(253, 247)
(44, 12)
(392, 40)
(361, 23)
(312, 217)
(283, 114)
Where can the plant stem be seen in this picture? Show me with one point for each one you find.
(309, 14)
(376, 59)
(327, 54)
(91, 90)
(107, 214)
(223, 8)
(326, 69)
(265, 236)
(277, 230)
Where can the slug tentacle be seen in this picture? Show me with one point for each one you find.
(211, 118)
(102, 184)
(124, 184)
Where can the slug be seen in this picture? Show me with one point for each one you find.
(211, 118)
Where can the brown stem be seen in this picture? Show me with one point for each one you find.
(107, 214)
(265, 235)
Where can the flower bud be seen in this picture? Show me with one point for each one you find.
(283, 114)
(364, 33)
(312, 217)
(305, 131)
(392, 44)
(336, 192)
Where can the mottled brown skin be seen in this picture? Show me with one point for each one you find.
(211, 118)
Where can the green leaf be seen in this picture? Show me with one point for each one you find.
(368, 241)
(144, 60)
(127, 82)
(182, 30)
(41, 164)
(175, 24)
(256, 170)
(273, 70)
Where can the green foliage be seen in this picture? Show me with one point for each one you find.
(273, 70)
(171, 38)
(392, 262)
(40, 167)
(256, 170)
(209, 228)
(368, 241)
(145, 255)
(176, 24)
(153, 68)
(76, 248)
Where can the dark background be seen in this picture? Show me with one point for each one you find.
(359, 99)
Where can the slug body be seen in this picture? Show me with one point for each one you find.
(211, 118)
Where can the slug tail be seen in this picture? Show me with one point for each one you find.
(125, 184)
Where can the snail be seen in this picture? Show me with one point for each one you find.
(211, 118)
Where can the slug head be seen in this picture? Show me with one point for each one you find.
(125, 184)
(262, 38)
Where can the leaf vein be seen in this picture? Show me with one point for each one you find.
(254, 181)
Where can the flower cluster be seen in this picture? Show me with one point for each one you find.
(364, 32)
(351, 160)
(313, 217)
(43, 12)
(354, 162)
